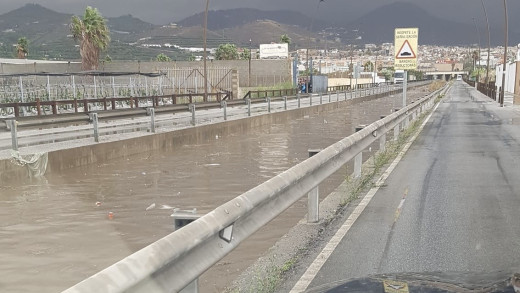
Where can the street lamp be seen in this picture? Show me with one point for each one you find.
(206, 52)
(502, 94)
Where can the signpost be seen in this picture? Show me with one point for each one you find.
(406, 40)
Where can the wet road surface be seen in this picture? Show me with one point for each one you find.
(452, 204)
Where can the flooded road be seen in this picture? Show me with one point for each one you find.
(56, 231)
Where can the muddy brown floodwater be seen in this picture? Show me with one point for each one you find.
(55, 231)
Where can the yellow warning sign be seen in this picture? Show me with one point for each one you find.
(392, 286)
(406, 40)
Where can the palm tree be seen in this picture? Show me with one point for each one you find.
(22, 48)
(93, 35)
(285, 39)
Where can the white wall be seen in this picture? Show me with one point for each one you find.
(510, 77)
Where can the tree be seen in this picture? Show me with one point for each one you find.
(246, 54)
(388, 73)
(192, 58)
(369, 66)
(163, 58)
(226, 52)
(419, 75)
(22, 48)
(93, 35)
(285, 39)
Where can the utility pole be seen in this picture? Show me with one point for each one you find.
(250, 56)
(351, 67)
(206, 52)
(489, 43)
(503, 91)
(479, 46)
(375, 71)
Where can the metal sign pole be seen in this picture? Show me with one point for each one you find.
(405, 85)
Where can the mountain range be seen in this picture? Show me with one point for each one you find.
(49, 35)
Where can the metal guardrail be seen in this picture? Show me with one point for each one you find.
(303, 100)
(330, 89)
(173, 262)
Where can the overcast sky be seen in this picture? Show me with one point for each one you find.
(165, 11)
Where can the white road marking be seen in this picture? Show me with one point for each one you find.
(324, 255)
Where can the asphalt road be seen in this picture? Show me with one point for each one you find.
(461, 190)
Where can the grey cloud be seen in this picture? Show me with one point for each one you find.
(165, 11)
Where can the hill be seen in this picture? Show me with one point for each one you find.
(232, 18)
(49, 35)
(378, 27)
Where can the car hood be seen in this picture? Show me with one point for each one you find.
(430, 282)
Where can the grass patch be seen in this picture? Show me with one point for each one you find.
(280, 86)
(436, 85)
(267, 279)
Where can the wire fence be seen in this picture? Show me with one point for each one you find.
(29, 88)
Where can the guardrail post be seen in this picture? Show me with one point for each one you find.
(192, 109)
(248, 103)
(96, 126)
(285, 102)
(310, 99)
(181, 219)
(224, 109)
(337, 96)
(382, 142)
(396, 132)
(321, 98)
(151, 112)
(345, 94)
(358, 159)
(14, 134)
(330, 97)
(313, 198)
(268, 105)
(299, 102)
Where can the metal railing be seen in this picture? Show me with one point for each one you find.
(57, 107)
(488, 89)
(270, 93)
(212, 112)
(175, 261)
